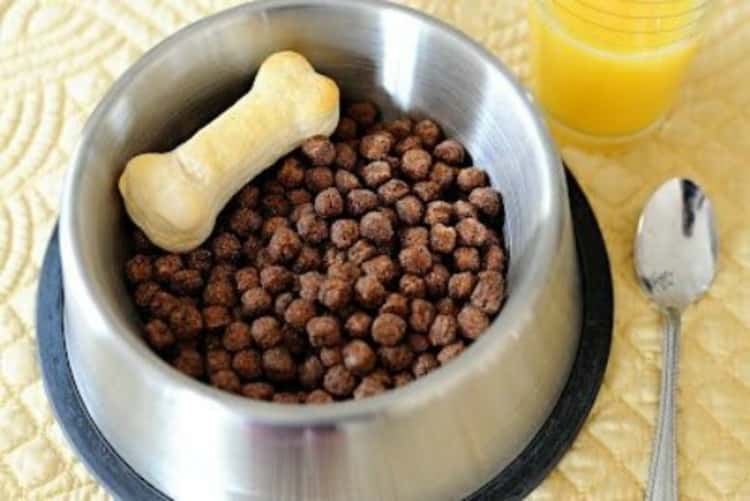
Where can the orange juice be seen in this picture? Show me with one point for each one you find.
(611, 67)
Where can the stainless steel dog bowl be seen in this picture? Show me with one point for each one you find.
(438, 438)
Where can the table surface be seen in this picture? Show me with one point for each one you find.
(57, 58)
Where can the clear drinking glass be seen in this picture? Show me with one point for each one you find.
(611, 68)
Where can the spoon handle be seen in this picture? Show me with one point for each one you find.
(662, 478)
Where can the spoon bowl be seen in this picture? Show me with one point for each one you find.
(676, 245)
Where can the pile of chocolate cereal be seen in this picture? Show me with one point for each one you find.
(354, 265)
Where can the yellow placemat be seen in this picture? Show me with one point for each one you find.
(57, 58)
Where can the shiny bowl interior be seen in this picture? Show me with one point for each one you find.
(395, 78)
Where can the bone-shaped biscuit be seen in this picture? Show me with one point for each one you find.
(175, 197)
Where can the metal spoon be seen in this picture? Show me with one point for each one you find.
(675, 259)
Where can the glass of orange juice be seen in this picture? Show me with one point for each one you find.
(611, 68)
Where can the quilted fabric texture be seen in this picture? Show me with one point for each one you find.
(57, 58)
